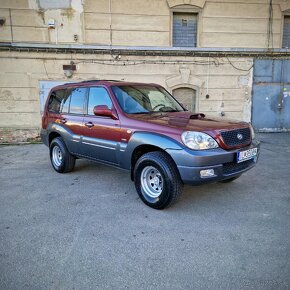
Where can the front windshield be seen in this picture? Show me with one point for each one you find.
(145, 99)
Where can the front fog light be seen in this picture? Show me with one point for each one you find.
(207, 173)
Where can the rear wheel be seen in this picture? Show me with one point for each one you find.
(230, 179)
(62, 161)
(157, 180)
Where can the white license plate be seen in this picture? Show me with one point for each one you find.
(247, 154)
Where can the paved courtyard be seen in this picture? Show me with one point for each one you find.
(89, 230)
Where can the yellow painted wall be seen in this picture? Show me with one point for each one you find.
(222, 23)
(227, 23)
(20, 74)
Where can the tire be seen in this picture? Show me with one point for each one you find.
(62, 161)
(157, 180)
(230, 179)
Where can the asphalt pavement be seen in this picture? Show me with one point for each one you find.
(89, 230)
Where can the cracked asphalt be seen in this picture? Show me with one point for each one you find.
(89, 230)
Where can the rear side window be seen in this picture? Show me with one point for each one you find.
(77, 98)
(98, 96)
(65, 102)
(55, 100)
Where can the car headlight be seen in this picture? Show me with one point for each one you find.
(198, 140)
(252, 131)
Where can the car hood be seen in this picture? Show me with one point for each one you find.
(187, 121)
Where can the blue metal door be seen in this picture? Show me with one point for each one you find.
(271, 95)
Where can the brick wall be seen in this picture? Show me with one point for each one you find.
(14, 136)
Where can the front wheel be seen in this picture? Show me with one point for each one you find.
(62, 161)
(157, 180)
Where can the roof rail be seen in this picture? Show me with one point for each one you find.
(88, 81)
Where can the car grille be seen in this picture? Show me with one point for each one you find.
(231, 139)
(233, 167)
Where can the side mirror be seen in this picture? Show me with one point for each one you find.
(103, 110)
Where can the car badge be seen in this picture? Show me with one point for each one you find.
(240, 136)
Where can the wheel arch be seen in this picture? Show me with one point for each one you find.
(56, 130)
(142, 143)
(139, 151)
(52, 135)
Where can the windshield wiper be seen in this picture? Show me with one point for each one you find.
(135, 113)
(169, 111)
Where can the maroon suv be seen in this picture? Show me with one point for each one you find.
(143, 129)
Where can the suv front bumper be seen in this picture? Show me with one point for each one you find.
(222, 162)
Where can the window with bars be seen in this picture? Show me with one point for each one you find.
(286, 32)
(184, 29)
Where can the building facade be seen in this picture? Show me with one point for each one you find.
(225, 58)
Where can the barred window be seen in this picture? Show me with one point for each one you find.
(184, 29)
(286, 32)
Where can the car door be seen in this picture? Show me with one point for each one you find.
(72, 115)
(101, 133)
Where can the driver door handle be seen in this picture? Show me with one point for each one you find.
(89, 124)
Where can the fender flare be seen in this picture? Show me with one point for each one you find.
(147, 138)
(68, 136)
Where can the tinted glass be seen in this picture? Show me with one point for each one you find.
(65, 102)
(141, 100)
(55, 101)
(97, 97)
(77, 98)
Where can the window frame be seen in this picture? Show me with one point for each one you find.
(50, 96)
(284, 14)
(61, 109)
(189, 9)
(87, 102)
(149, 86)
(86, 93)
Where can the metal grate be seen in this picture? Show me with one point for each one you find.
(237, 137)
(184, 29)
(233, 167)
(286, 32)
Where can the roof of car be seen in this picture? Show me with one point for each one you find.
(101, 82)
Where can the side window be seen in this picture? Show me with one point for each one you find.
(98, 96)
(65, 102)
(77, 99)
(55, 101)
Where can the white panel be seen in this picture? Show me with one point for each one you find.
(54, 4)
(44, 89)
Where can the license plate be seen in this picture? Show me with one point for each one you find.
(247, 154)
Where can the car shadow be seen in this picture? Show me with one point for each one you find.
(192, 198)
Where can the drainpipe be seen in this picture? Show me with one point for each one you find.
(11, 29)
(111, 33)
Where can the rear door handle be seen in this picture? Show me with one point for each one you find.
(63, 120)
(89, 124)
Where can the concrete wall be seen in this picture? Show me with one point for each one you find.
(239, 24)
(222, 23)
(20, 73)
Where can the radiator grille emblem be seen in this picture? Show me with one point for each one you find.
(240, 136)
